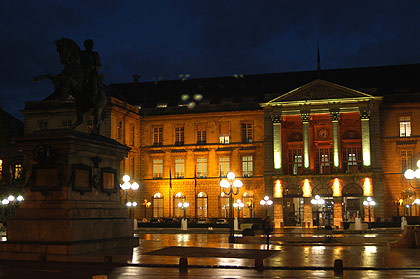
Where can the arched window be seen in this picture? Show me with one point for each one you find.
(224, 205)
(202, 204)
(157, 205)
(179, 197)
(248, 200)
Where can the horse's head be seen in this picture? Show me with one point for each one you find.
(69, 52)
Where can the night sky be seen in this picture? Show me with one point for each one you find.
(162, 40)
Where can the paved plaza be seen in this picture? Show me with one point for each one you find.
(296, 260)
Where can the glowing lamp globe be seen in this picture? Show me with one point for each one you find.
(231, 176)
(237, 183)
(135, 186)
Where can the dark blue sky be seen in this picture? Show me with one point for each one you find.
(164, 39)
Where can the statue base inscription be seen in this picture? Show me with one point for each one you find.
(72, 200)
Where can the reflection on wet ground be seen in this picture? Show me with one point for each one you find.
(371, 256)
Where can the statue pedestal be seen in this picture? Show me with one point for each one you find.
(72, 200)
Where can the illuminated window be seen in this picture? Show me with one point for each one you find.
(201, 167)
(295, 161)
(202, 204)
(246, 132)
(323, 163)
(224, 205)
(406, 159)
(224, 133)
(119, 130)
(247, 165)
(18, 171)
(405, 126)
(1, 169)
(157, 136)
(66, 123)
(132, 135)
(224, 166)
(248, 200)
(179, 168)
(157, 168)
(157, 205)
(43, 125)
(352, 159)
(201, 134)
(179, 135)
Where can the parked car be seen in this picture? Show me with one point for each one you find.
(221, 221)
(155, 220)
(203, 221)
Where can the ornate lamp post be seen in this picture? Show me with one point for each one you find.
(230, 187)
(369, 202)
(238, 205)
(184, 206)
(411, 174)
(398, 202)
(146, 204)
(318, 202)
(266, 202)
(126, 186)
(417, 202)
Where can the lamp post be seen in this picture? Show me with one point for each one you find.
(184, 206)
(238, 205)
(126, 186)
(230, 187)
(146, 204)
(417, 202)
(411, 174)
(318, 202)
(398, 203)
(369, 202)
(10, 202)
(266, 202)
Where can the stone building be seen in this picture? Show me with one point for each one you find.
(337, 135)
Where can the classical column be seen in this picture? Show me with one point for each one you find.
(278, 213)
(305, 121)
(276, 119)
(364, 117)
(338, 212)
(307, 211)
(336, 138)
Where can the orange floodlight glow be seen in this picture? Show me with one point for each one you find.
(278, 191)
(336, 188)
(367, 187)
(306, 189)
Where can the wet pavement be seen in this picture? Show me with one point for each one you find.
(364, 258)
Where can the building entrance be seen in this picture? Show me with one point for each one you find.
(293, 211)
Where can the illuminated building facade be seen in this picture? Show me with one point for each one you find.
(343, 135)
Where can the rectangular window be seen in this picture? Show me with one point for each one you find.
(352, 159)
(157, 136)
(201, 134)
(295, 161)
(246, 132)
(224, 166)
(201, 167)
(405, 126)
(132, 167)
(157, 168)
(224, 133)
(247, 166)
(132, 135)
(406, 160)
(18, 171)
(66, 123)
(323, 162)
(179, 168)
(179, 135)
(43, 125)
(119, 130)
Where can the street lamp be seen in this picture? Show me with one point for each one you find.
(266, 202)
(230, 187)
(184, 206)
(369, 202)
(318, 202)
(11, 202)
(126, 186)
(417, 202)
(146, 204)
(398, 202)
(238, 205)
(411, 174)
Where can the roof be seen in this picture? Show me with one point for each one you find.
(397, 82)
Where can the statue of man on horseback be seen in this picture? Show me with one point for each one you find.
(79, 81)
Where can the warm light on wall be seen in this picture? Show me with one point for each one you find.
(306, 189)
(336, 188)
(278, 191)
(367, 187)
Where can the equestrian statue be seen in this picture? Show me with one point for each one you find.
(79, 81)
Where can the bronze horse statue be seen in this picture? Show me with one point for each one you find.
(79, 81)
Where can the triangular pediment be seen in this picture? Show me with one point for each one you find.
(320, 90)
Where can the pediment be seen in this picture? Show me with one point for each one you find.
(320, 90)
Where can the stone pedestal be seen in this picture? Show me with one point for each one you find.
(72, 201)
